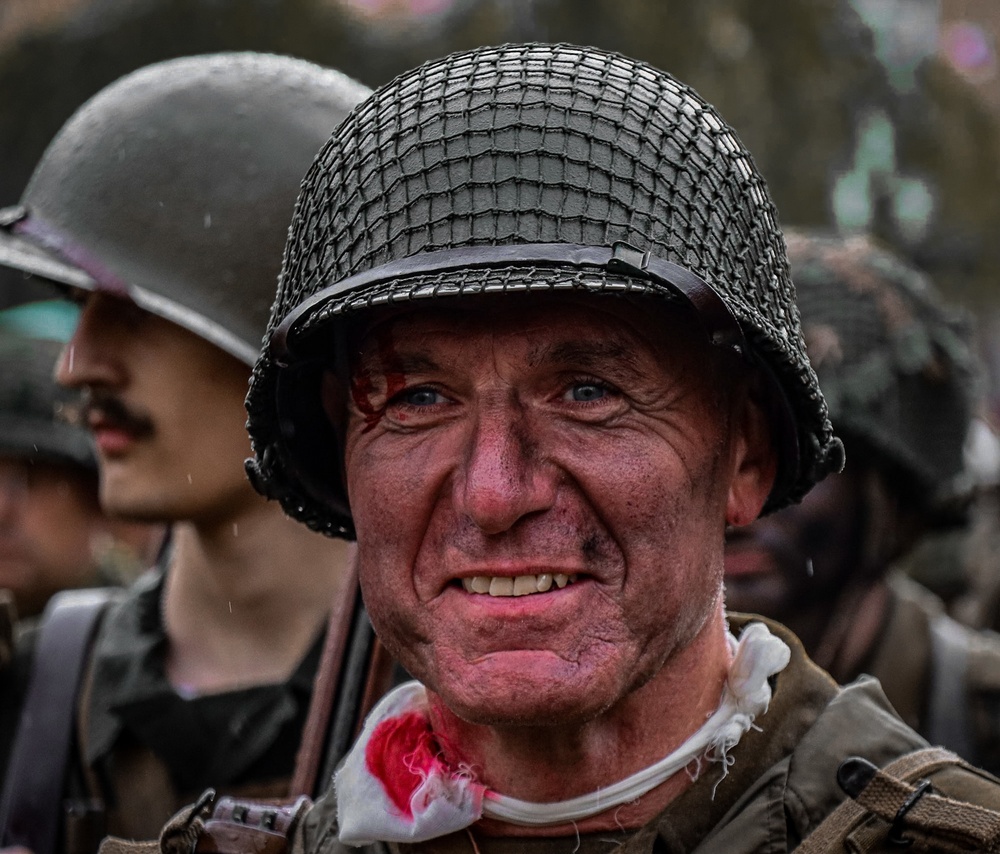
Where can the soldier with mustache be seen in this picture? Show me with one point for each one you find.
(161, 207)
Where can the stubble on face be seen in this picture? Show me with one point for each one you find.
(584, 439)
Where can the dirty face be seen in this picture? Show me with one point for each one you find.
(48, 515)
(53, 535)
(540, 488)
(801, 558)
(166, 411)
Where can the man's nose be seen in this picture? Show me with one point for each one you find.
(505, 477)
(90, 358)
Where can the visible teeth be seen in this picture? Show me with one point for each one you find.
(501, 586)
(522, 585)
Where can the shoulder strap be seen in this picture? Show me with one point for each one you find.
(354, 672)
(948, 721)
(32, 796)
(954, 825)
(309, 758)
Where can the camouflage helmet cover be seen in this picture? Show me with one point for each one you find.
(173, 186)
(515, 168)
(894, 361)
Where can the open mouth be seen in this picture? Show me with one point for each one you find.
(520, 585)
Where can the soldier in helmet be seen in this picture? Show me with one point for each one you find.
(534, 347)
(897, 371)
(53, 533)
(162, 207)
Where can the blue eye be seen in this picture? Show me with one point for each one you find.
(421, 397)
(587, 392)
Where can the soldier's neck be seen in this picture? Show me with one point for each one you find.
(246, 598)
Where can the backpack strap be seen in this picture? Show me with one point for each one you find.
(31, 807)
(949, 824)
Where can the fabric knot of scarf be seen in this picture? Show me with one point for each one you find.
(395, 786)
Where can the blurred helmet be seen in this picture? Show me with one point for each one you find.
(517, 168)
(894, 361)
(38, 419)
(174, 186)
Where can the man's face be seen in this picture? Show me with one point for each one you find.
(48, 513)
(166, 411)
(53, 535)
(569, 451)
(801, 557)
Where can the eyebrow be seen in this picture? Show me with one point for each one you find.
(586, 355)
(407, 362)
(582, 355)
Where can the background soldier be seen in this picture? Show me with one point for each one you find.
(162, 205)
(53, 534)
(895, 366)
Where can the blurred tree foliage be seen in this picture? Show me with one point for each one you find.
(796, 78)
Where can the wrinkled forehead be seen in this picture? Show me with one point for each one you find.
(540, 324)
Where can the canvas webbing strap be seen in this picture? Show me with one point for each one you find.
(309, 758)
(954, 825)
(31, 809)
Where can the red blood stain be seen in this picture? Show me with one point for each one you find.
(400, 754)
(362, 389)
(395, 379)
(362, 386)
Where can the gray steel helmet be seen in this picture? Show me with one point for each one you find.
(516, 168)
(36, 415)
(894, 361)
(173, 186)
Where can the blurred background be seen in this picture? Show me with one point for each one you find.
(876, 115)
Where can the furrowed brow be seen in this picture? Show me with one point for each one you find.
(586, 355)
(375, 361)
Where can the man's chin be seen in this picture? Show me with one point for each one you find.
(517, 697)
(126, 501)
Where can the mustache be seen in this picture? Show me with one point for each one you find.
(112, 411)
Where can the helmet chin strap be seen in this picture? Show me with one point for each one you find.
(394, 785)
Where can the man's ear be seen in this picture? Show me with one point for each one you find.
(754, 458)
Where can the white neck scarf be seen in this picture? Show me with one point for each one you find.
(394, 786)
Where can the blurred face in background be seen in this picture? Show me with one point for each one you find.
(54, 536)
(800, 557)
